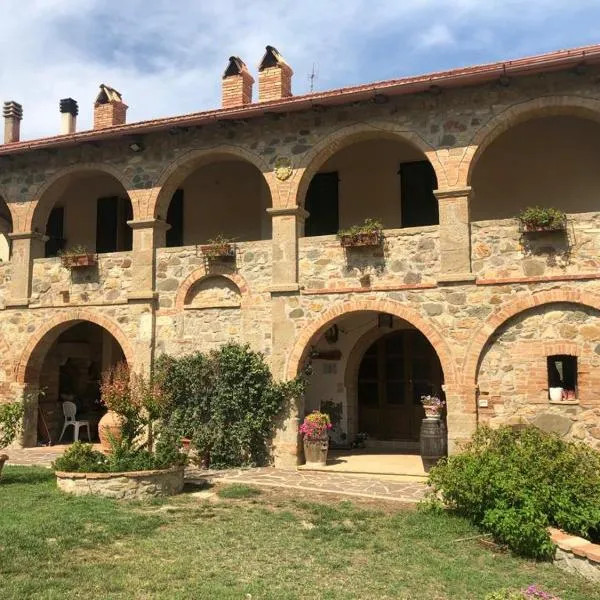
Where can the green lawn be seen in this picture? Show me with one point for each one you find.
(244, 543)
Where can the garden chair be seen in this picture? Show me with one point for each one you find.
(70, 411)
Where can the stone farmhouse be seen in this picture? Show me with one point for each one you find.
(457, 299)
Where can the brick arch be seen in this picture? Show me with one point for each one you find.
(499, 318)
(200, 275)
(41, 202)
(547, 106)
(314, 329)
(185, 164)
(314, 159)
(41, 341)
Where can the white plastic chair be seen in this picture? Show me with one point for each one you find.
(70, 410)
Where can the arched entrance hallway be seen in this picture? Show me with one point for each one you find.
(369, 371)
(66, 364)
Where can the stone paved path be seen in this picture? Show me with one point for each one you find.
(333, 483)
(323, 482)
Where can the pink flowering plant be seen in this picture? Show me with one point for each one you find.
(315, 425)
(433, 402)
(530, 593)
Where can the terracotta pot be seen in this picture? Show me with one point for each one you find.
(3, 459)
(315, 451)
(432, 412)
(109, 426)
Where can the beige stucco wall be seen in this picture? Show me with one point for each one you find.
(228, 198)
(551, 161)
(369, 183)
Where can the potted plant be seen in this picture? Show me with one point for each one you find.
(11, 422)
(433, 406)
(76, 257)
(538, 219)
(369, 233)
(316, 441)
(219, 248)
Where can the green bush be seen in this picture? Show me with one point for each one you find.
(515, 483)
(225, 402)
(82, 458)
(11, 421)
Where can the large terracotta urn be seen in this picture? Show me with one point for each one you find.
(109, 426)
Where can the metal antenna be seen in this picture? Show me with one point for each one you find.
(313, 77)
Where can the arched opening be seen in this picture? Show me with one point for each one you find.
(85, 209)
(221, 196)
(546, 161)
(387, 179)
(539, 366)
(67, 365)
(369, 370)
(6, 227)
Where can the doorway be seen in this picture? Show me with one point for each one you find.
(395, 371)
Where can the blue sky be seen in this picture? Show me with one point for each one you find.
(166, 56)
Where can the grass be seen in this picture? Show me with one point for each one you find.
(237, 491)
(277, 545)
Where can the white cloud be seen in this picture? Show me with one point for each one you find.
(167, 57)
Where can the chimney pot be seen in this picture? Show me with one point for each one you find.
(237, 84)
(109, 108)
(13, 113)
(274, 76)
(69, 111)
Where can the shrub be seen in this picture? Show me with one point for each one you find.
(11, 420)
(225, 402)
(515, 484)
(82, 458)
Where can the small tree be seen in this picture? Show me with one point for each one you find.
(11, 422)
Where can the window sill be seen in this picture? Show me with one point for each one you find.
(563, 402)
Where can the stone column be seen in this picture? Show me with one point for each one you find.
(148, 235)
(461, 414)
(287, 224)
(455, 234)
(25, 248)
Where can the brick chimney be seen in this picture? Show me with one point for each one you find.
(237, 84)
(69, 111)
(109, 108)
(274, 76)
(13, 113)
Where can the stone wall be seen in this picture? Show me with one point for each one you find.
(407, 256)
(107, 283)
(499, 250)
(513, 377)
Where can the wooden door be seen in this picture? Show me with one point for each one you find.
(395, 372)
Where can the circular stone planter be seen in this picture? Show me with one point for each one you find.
(135, 485)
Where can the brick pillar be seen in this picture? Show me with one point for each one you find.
(148, 234)
(25, 248)
(287, 224)
(455, 234)
(461, 415)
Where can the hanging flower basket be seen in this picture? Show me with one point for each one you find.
(219, 248)
(75, 261)
(535, 220)
(370, 233)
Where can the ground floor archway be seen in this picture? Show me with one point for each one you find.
(66, 364)
(369, 371)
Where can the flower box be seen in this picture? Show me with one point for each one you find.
(371, 238)
(535, 228)
(224, 251)
(76, 261)
(535, 219)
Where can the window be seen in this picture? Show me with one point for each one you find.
(562, 373)
(112, 232)
(322, 205)
(55, 231)
(418, 204)
(175, 220)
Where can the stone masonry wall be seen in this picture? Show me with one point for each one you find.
(499, 250)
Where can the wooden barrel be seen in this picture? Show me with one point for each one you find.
(432, 441)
